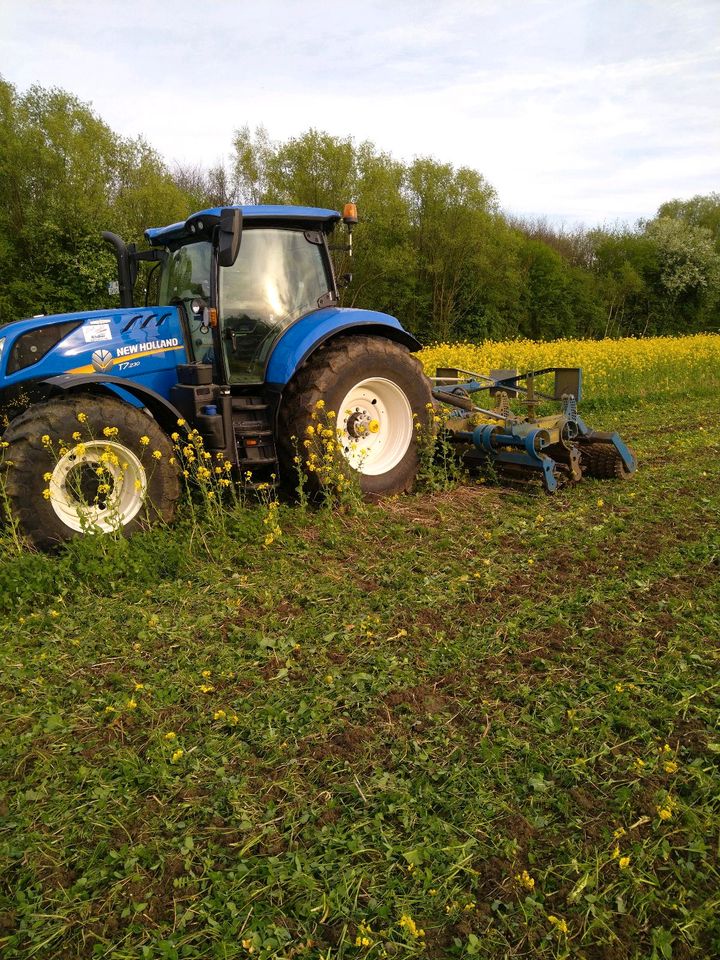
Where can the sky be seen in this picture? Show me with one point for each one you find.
(578, 111)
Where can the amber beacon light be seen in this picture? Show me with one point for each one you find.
(350, 216)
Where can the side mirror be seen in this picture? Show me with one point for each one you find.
(229, 236)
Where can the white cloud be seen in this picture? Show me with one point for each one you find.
(595, 109)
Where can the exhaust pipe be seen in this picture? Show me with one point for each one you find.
(123, 263)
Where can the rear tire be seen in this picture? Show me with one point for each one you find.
(55, 496)
(377, 389)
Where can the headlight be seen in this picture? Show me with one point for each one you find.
(2, 347)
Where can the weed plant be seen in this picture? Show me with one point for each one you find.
(439, 467)
(476, 723)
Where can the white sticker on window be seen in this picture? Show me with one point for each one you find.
(96, 331)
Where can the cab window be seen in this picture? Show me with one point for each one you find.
(278, 277)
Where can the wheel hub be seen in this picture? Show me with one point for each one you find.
(358, 424)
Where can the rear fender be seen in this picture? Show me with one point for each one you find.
(303, 338)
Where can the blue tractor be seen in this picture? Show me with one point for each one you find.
(245, 338)
(245, 342)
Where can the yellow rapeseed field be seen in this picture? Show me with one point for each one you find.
(627, 367)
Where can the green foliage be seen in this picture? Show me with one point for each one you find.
(64, 178)
(431, 248)
(699, 211)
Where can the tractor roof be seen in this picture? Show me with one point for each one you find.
(311, 217)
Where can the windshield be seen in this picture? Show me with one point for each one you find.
(186, 276)
(278, 277)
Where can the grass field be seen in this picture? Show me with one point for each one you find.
(482, 722)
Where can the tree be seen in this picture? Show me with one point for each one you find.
(64, 178)
(689, 269)
(699, 211)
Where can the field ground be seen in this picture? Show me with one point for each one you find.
(482, 722)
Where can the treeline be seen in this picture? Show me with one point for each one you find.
(432, 247)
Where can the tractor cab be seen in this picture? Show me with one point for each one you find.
(242, 280)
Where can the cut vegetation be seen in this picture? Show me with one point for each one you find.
(480, 722)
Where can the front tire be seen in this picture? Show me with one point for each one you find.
(116, 477)
(377, 389)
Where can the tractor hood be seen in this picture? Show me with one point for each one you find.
(144, 344)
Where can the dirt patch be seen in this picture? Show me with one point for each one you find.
(349, 743)
(424, 698)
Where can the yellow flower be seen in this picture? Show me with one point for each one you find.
(170, 735)
(110, 431)
(181, 422)
(157, 454)
(131, 704)
(664, 812)
(46, 493)
(45, 439)
(409, 924)
(82, 417)
(175, 436)
(525, 880)
(559, 924)
(144, 440)
(177, 755)
(206, 688)
(670, 766)
(77, 435)
(219, 715)
(139, 686)
(624, 862)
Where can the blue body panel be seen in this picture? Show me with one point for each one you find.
(142, 344)
(299, 340)
(145, 345)
(158, 236)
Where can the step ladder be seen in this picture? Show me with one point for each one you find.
(254, 438)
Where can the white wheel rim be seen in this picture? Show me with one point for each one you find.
(92, 508)
(375, 426)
